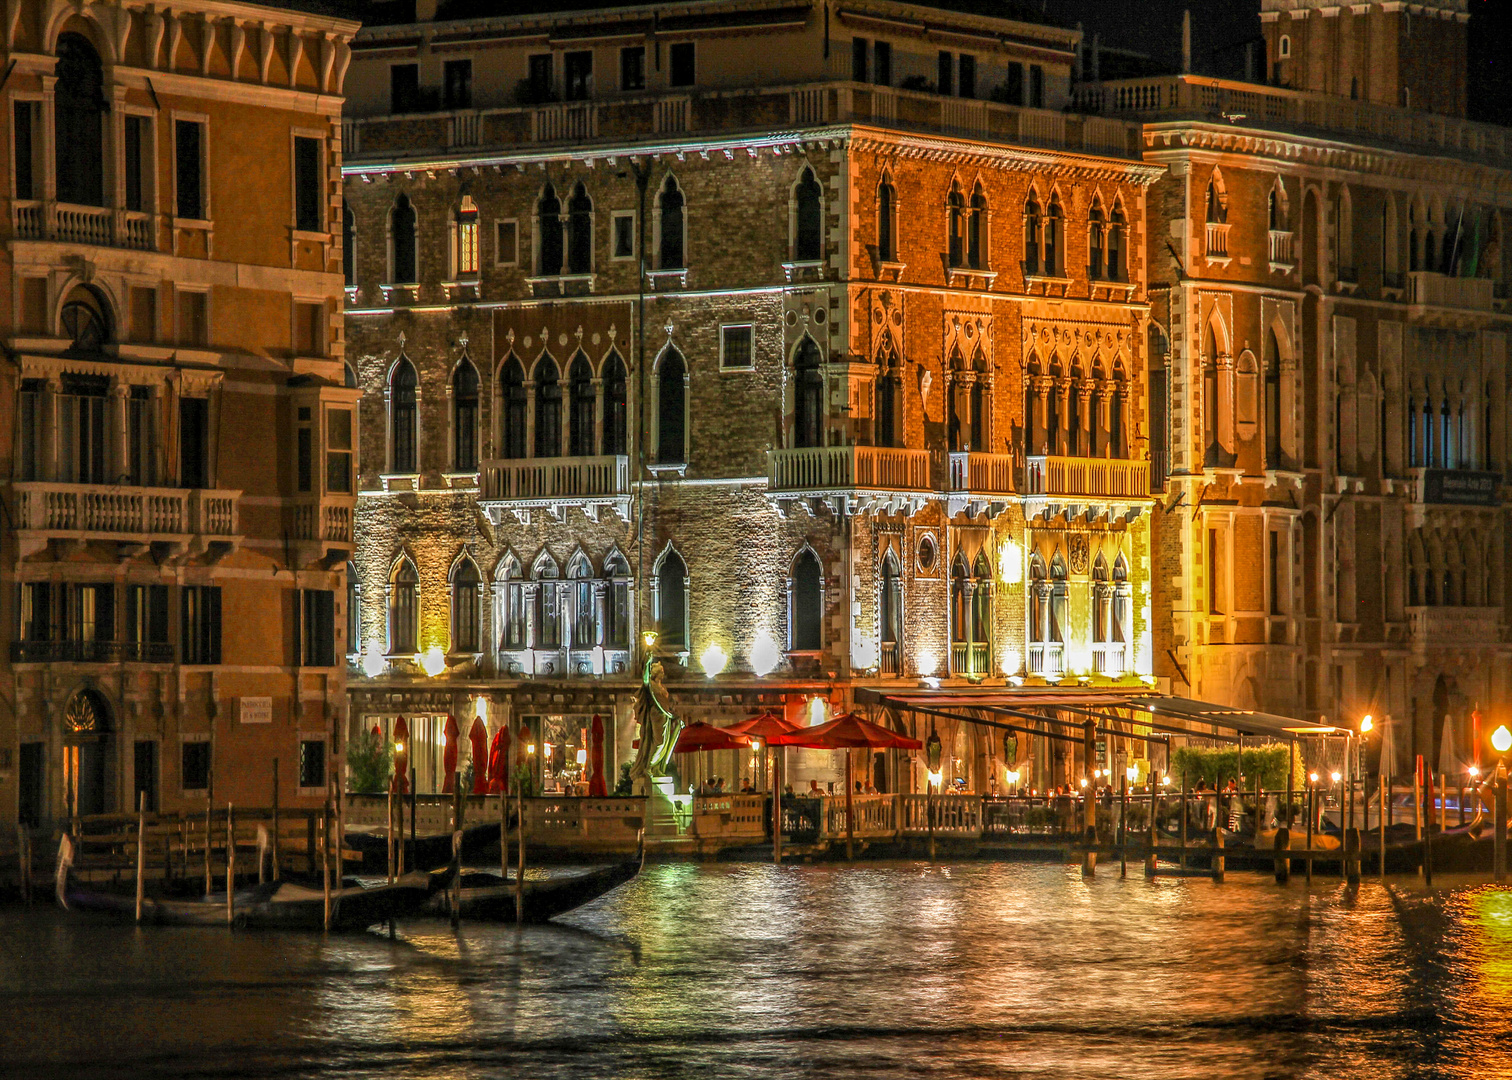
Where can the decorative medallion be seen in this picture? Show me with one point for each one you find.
(1077, 545)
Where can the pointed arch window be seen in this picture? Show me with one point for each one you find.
(465, 417)
(891, 614)
(1117, 403)
(1273, 212)
(1059, 601)
(465, 239)
(1053, 441)
(1032, 226)
(349, 245)
(960, 608)
(806, 609)
(1116, 227)
(548, 408)
(671, 226)
(466, 586)
(671, 409)
(1032, 442)
(808, 229)
(403, 608)
(976, 230)
(887, 245)
(580, 415)
(977, 412)
(584, 609)
(1272, 401)
(955, 215)
(616, 411)
(1102, 603)
(354, 610)
(981, 614)
(672, 602)
(1217, 205)
(510, 591)
(403, 269)
(889, 401)
(549, 233)
(1096, 234)
(617, 607)
(548, 604)
(808, 395)
(1054, 232)
(78, 122)
(403, 417)
(579, 231)
(514, 407)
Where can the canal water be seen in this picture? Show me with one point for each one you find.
(877, 970)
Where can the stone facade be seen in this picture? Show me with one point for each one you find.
(933, 464)
(180, 497)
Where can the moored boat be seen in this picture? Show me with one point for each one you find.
(490, 897)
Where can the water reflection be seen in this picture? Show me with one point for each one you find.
(969, 970)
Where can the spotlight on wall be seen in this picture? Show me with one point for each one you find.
(433, 662)
(714, 660)
(374, 663)
(764, 655)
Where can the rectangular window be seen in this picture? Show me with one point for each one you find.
(194, 442)
(305, 451)
(92, 613)
(25, 148)
(456, 85)
(143, 314)
(308, 185)
(858, 59)
(29, 420)
(945, 80)
(1214, 570)
(309, 329)
(617, 633)
(201, 624)
(404, 88)
(680, 57)
(1274, 568)
(82, 430)
(624, 235)
(966, 76)
(467, 244)
(139, 448)
(577, 71)
(36, 611)
(633, 68)
(189, 168)
(195, 765)
(147, 621)
(339, 451)
(194, 318)
(882, 63)
(734, 347)
(319, 627)
(1014, 85)
(538, 83)
(138, 163)
(312, 764)
(34, 305)
(506, 243)
(1036, 86)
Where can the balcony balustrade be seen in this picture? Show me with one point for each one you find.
(1430, 289)
(91, 652)
(1106, 478)
(133, 515)
(1047, 659)
(980, 482)
(526, 486)
(96, 226)
(853, 477)
(1217, 240)
(1281, 250)
(1453, 627)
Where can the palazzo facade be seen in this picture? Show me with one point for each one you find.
(809, 339)
(178, 458)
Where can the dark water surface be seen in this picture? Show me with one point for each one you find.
(881, 970)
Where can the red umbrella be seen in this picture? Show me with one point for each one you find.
(847, 732)
(377, 732)
(449, 758)
(498, 763)
(700, 736)
(597, 788)
(765, 727)
(401, 756)
(478, 736)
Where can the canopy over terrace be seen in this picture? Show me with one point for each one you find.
(1078, 714)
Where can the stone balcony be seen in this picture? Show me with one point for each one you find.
(852, 479)
(1429, 290)
(980, 482)
(1454, 487)
(172, 520)
(321, 527)
(1453, 627)
(528, 486)
(1115, 487)
(97, 226)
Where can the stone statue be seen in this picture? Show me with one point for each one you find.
(659, 729)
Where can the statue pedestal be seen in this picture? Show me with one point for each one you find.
(662, 817)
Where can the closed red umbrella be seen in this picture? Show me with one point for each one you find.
(377, 732)
(598, 788)
(848, 732)
(700, 736)
(401, 756)
(449, 756)
(478, 736)
(498, 763)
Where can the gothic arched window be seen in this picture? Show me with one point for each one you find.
(403, 417)
(465, 585)
(514, 407)
(806, 626)
(808, 231)
(808, 395)
(549, 233)
(671, 409)
(404, 270)
(671, 234)
(78, 122)
(580, 231)
(616, 411)
(581, 406)
(548, 408)
(403, 608)
(465, 417)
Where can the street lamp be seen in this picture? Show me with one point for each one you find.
(1366, 723)
(1501, 739)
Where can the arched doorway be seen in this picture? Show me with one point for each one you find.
(86, 737)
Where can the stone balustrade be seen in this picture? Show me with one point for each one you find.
(47, 510)
(1112, 478)
(521, 486)
(820, 469)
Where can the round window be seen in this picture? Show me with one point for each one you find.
(926, 553)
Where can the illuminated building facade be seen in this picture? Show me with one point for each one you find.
(178, 455)
(874, 411)
(1329, 371)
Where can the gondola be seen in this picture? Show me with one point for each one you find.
(425, 852)
(490, 897)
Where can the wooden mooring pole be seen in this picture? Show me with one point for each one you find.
(277, 851)
(230, 865)
(1123, 826)
(520, 866)
(1384, 809)
(1312, 800)
(141, 867)
(454, 888)
(1499, 829)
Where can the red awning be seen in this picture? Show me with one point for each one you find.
(846, 732)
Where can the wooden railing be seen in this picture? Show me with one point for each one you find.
(1095, 477)
(95, 510)
(848, 468)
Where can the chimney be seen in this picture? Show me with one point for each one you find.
(1186, 42)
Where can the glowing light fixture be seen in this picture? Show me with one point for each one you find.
(582, 757)
(1084, 781)
(1474, 772)
(936, 778)
(1501, 739)
(1313, 777)
(816, 711)
(1011, 563)
(1132, 772)
(764, 655)
(546, 750)
(530, 748)
(374, 663)
(433, 662)
(649, 638)
(1013, 776)
(1336, 776)
(714, 660)
(480, 708)
(931, 682)
(1367, 722)
(755, 745)
(1165, 781)
(398, 748)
